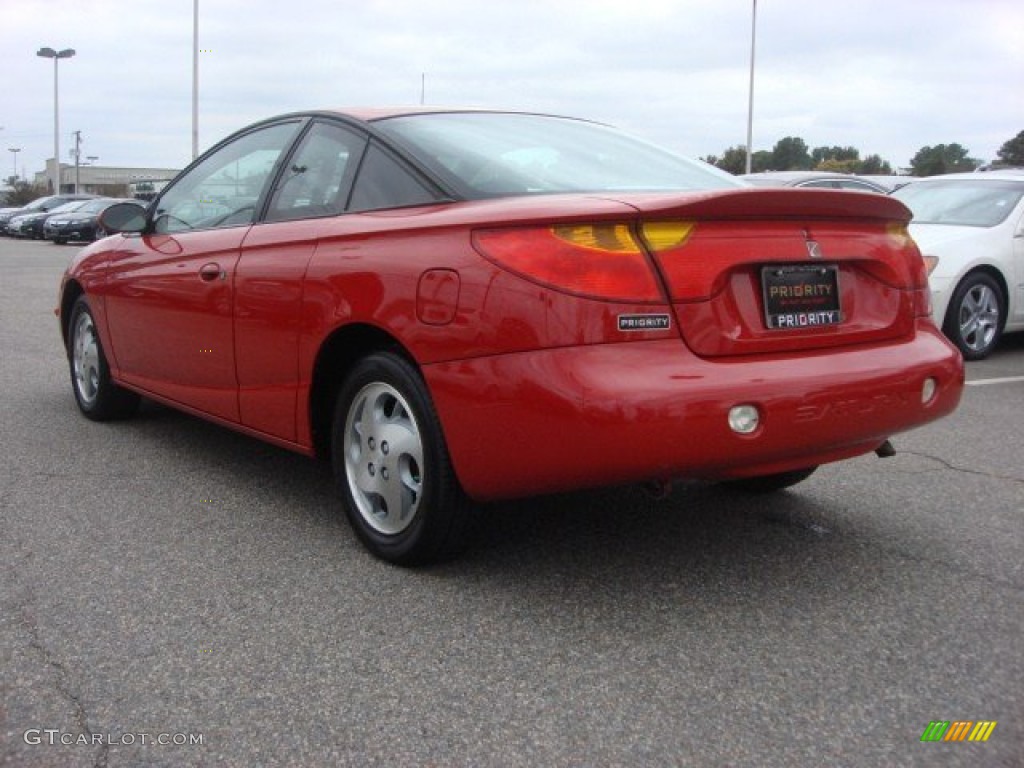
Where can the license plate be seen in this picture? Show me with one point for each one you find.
(801, 296)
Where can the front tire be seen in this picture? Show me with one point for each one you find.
(974, 320)
(392, 465)
(98, 397)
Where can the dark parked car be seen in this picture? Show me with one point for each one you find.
(81, 222)
(455, 306)
(30, 225)
(39, 205)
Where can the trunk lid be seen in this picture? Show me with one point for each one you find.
(757, 271)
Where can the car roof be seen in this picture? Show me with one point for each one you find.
(372, 114)
(369, 114)
(797, 175)
(806, 178)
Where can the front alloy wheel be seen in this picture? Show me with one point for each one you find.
(392, 466)
(96, 394)
(974, 320)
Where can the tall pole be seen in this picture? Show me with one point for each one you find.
(78, 151)
(15, 150)
(50, 53)
(195, 79)
(750, 102)
(56, 132)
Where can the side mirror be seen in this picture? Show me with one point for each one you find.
(123, 217)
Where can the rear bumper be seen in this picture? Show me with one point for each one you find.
(578, 417)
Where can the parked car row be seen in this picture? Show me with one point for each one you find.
(39, 205)
(60, 218)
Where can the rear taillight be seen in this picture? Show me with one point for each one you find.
(602, 261)
(689, 276)
(917, 266)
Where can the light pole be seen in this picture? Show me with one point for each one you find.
(750, 102)
(15, 151)
(78, 156)
(49, 53)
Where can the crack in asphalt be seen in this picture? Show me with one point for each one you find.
(61, 679)
(949, 465)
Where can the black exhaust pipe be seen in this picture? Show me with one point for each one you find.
(885, 450)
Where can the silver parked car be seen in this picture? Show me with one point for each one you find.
(970, 229)
(813, 180)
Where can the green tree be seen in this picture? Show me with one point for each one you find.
(761, 161)
(873, 164)
(832, 165)
(1012, 152)
(790, 154)
(940, 159)
(733, 160)
(22, 193)
(839, 154)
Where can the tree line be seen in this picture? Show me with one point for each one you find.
(793, 154)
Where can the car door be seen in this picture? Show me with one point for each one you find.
(269, 277)
(170, 291)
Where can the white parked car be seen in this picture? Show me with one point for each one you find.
(970, 229)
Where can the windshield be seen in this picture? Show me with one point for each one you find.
(961, 202)
(74, 205)
(493, 155)
(95, 206)
(37, 204)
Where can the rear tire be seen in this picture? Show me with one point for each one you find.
(975, 317)
(98, 397)
(392, 465)
(771, 483)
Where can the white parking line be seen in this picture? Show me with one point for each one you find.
(1004, 380)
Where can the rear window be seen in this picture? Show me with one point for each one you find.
(485, 155)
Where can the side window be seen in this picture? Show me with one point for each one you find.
(383, 182)
(223, 190)
(320, 175)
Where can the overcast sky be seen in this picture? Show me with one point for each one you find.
(885, 76)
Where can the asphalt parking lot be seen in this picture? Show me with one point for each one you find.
(165, 580)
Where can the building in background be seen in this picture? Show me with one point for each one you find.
(110, 181)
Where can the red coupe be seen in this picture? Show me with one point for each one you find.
(470, 305)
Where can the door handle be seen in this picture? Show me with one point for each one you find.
(212, 271)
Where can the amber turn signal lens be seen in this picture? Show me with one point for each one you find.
(666, 235)
(599, 261)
